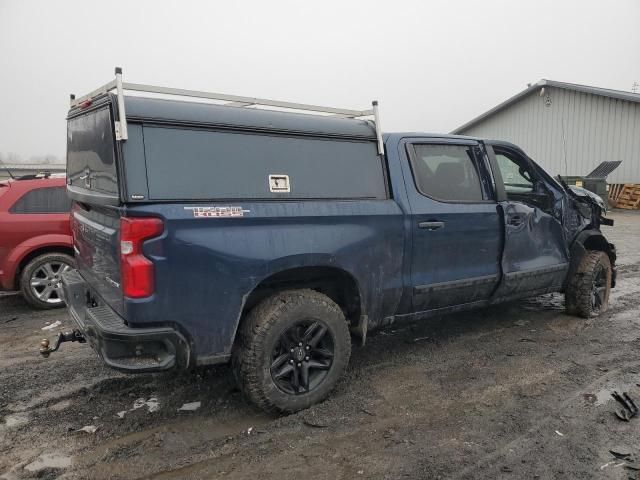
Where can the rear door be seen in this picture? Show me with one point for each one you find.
(42, 209)
(30, 210)
(454, 223)
(535, 257)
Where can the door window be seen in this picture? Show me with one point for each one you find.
(521, 182)
(43, 200)
(447, 173)
(515, 177)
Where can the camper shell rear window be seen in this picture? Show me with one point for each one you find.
(91, 159)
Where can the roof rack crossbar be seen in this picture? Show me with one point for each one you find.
(107, 87)
(232, 100)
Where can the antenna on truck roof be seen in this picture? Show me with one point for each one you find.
(232, 101)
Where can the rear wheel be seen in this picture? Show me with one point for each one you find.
(588, 290)
(41, 280)
(293, 348)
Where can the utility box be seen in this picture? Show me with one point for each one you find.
(596, 181)
(599, 186)
(574, 180)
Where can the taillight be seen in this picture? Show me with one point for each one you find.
(136, 270)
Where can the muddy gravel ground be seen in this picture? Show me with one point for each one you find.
(516, 391)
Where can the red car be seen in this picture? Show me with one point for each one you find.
(35, 237)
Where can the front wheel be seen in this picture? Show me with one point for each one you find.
(41, 279)
(293, 348)
(588, 290)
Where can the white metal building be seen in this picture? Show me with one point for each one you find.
(567, 128)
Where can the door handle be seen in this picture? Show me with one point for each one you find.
(515, 220)
(431, 225)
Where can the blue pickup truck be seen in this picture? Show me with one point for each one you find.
(207, 233)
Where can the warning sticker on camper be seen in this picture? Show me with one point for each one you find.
(217, 212)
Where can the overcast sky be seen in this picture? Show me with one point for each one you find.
(433, 65)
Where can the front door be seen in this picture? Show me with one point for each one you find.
(456, 228)
(535, 257)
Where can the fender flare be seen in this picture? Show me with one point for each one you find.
(22, 250)
(590, 240)
(320, 260)
(293, 262)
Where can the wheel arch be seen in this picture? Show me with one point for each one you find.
(36, 252)
(334, 282)
(590, 240)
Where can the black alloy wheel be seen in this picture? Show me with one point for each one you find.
(302, 357)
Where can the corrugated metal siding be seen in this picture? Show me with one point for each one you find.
(573, 134)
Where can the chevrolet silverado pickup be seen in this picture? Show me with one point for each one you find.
(208, 233)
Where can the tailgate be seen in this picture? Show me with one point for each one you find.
(96, 238)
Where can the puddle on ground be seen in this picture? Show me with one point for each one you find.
(49, 460)
(552, 301)
(604, 395)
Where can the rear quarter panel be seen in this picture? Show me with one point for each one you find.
(207, 267)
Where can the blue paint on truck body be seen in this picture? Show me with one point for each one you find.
(207, 267)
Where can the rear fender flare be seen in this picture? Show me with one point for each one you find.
(293, 262)
(22, 250)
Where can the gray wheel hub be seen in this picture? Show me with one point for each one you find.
(46, 281)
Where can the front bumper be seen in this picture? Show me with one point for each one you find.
(120, 346)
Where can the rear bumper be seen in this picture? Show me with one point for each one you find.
(120, 346)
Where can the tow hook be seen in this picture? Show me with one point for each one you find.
(73, 336)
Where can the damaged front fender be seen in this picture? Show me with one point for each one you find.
(591, 207)
(589, 196)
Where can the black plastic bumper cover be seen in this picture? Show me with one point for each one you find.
(120, 346)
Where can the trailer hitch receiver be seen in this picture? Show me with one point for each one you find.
(72, 336)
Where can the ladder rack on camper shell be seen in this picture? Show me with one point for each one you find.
(232, 101)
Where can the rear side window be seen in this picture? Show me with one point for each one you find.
(43, 200)
(185, 164)
(446, 172)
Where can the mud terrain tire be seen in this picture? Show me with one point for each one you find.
(292, 349)
(588, 290)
